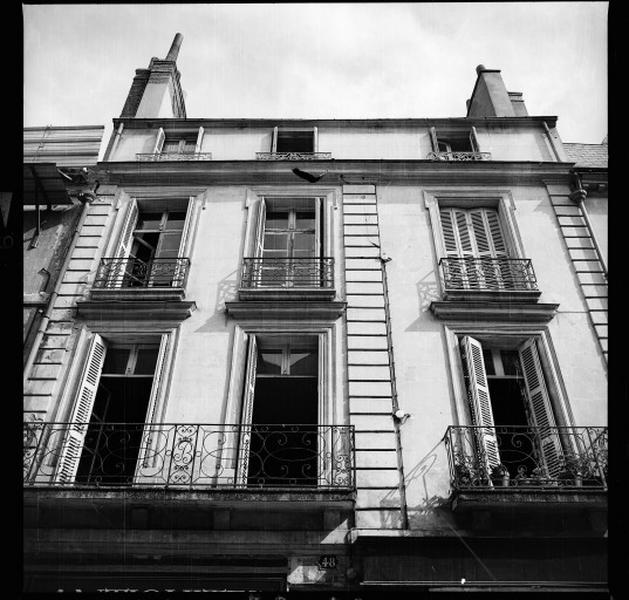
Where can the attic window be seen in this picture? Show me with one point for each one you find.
(295, 141)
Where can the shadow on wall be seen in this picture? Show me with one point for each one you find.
(226, 291)
(427, 512)
(427, 292)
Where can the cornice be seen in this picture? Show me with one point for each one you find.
(285, 310)
(509, 312)
(166, 123)
(338, 172)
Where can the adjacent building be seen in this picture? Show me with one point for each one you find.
(324, 355)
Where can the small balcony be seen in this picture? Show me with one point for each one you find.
(173, 156)
(488, 278)
(507, 465)
(293, 155)
(287, 279)
(459, 156)
(191, 457)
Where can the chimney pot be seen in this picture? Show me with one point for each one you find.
(480, 68)
(174, 48)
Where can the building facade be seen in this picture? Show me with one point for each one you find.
(325, 355)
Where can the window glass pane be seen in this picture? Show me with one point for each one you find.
(275, 241)
(295, 141)
(149, 221)
(176, 220)
(489, 362)
(269, 362)
(276, 220)
(304, 241)
(305, 220)
(116, 360)
(510, 362)
(145, 363)
(170, 146)
(303, 363)
(169, 241)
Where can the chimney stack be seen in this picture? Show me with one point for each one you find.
(173, 53)
(490, 97)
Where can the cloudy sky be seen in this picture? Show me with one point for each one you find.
(320, 60)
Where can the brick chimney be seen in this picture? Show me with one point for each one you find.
(156, 92)
(490, 97)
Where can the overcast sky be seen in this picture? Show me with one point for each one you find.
(320, 60)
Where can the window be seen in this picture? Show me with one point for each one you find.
(289, 246)
(511, 408)
(117, 395)
(478, 246)
(150, 251)
(281, 407)
(178, 144)
(294, 140)
(455, 144)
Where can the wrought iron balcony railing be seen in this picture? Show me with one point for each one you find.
(459, 156)
(292, 273)
(190, 456)
(293, 155)
(117, 273)
(527, 458)
(488, 274)
(156, 156)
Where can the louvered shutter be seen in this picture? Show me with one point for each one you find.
(540, 409)
(256, 267)
(82, 411)
(486, 273)
(149, 454)
(199, 145)
(246, 416)
(480, 404)
(474, 140)
(455, 268)
(159, 141)
(123, 249)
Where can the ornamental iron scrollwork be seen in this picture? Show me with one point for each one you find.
(523, 464)
(287, 273)
(120, 273)
(173, 156)
(459, 156)
(293, 155)
(486, 273)
(194, 456)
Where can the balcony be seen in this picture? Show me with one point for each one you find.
(551, 465)
(459, 156)
(192, 457)
(131, 289)
(488, 278)
(173, 156)
(287, 279)
(293, 155)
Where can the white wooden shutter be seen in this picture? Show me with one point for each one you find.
(148, 456)
(260, 223)
(474, 140)
(315, 139)
(433, 140)
(159, 141)
(480, 402)
(246, 416)
(123, 248)
(199, 144)
(540, 409)
(82, 411)
(274, 139)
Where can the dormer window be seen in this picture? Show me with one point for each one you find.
(294, 140)
(177, 144)
(455, 145)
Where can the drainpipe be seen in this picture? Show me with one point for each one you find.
(87, 198)
(579, 196)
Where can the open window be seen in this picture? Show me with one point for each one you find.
(150, 252)
(455, 144)
(294, 140)
(511, 409)
(280, 437)
(288, 250)
(117, 396)
(178, 144)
